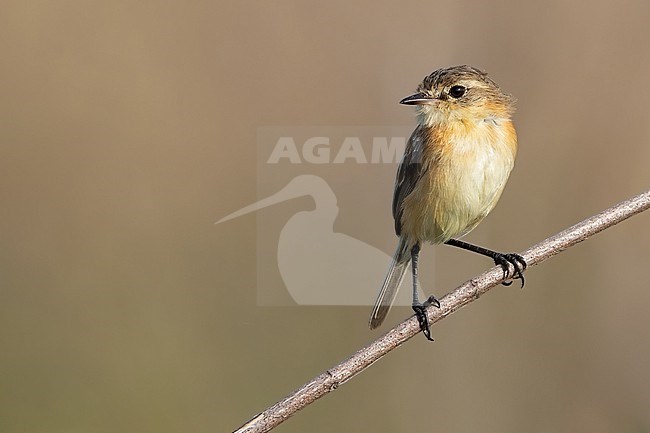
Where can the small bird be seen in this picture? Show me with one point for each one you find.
(455, 166)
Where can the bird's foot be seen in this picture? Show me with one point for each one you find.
(517, 262)
(421, 314)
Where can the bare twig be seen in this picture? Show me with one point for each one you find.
(466, 293)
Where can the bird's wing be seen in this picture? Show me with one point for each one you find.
(409, 173)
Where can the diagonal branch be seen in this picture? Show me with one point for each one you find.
(464, 294)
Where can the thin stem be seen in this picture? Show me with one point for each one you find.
(463, 295)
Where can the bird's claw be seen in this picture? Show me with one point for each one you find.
(517, 262)
(421, 314)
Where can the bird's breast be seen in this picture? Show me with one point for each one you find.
(465, 168)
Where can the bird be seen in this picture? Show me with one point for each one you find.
(454, 169)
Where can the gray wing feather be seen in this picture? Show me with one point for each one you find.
(389, 289)
(409, 173)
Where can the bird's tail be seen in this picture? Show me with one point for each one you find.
(389, 289)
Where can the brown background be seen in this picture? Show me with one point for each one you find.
(128, 128)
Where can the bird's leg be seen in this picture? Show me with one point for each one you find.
(420, 308)
(501, 259)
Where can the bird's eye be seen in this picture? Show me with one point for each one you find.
(457, 91)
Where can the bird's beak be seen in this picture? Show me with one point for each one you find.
(418, 99)
(278, 197)
(297, 187)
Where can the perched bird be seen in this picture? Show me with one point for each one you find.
(455, 166)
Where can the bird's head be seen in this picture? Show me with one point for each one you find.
(459, 93)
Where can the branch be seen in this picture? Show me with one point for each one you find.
(463, 295)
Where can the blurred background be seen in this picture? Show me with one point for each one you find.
(129, 128)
